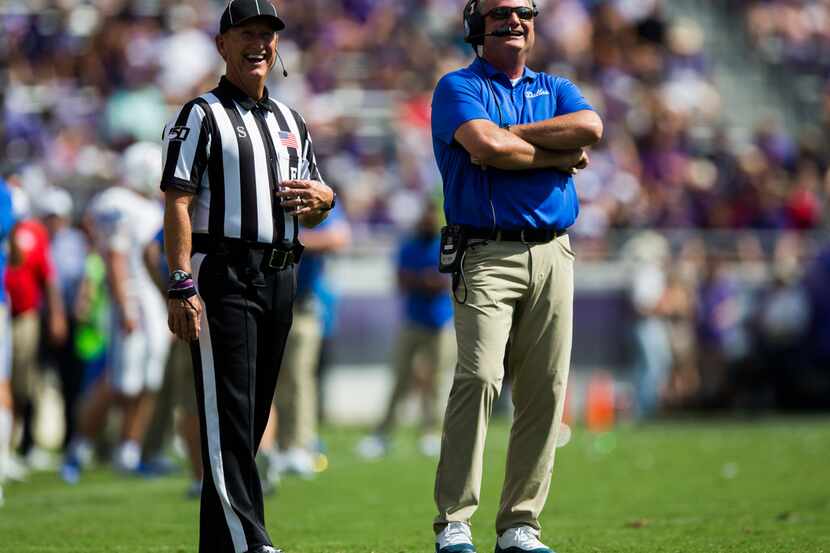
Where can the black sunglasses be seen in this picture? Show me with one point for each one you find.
(504, 12)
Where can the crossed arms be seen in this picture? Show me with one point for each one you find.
(556, 143)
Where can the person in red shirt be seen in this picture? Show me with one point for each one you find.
(30, 280)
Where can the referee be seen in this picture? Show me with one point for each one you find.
(239, 176)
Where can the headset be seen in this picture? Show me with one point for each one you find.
(474, 22)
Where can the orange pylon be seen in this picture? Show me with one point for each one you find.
(599, 402)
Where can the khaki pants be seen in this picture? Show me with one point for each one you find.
(296, 396)
(432, 346)
(521, 294)
(25, 343)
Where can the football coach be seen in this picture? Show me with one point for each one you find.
(507, 141)
(240, 175)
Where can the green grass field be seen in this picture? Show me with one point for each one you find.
(685, 487)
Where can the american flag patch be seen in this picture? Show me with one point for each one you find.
(288, 140)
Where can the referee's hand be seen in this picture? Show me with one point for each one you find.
(184, 318)
(305, 197)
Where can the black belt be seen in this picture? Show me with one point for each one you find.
(527, 235)
(278, 256)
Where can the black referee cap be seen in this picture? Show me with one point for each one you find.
(240, 11)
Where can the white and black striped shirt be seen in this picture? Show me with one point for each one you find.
(231, 152)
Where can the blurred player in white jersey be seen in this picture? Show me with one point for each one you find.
(126, 220)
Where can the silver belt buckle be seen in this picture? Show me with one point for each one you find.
(280, 259)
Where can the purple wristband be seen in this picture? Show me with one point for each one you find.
(181, 285)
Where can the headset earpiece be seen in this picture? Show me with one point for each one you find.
(473, 24)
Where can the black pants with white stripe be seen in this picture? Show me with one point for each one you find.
(245, 323)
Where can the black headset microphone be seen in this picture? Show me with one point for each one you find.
(502, 32)
(279, 57)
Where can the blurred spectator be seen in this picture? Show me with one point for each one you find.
(31, 280)
(783, 316)
(425, 348)
(6, 406)
(296, 396)
(69, 251)
(176, 401)
(127, 219)
(813, 381)
(724, 309)
(680, 307)
(91, 312)
(648, 254)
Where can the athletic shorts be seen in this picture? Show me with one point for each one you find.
(136, 360)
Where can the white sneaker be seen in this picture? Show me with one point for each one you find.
(298, 461)
(38, 459)
(522, 539)
(16, 469)
(127, 457)
(455, 538)
(373, 446)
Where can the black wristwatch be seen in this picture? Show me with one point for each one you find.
(333, 201)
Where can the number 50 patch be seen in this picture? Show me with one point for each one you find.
(178, 133)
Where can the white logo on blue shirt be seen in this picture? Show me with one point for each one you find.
(540, 92)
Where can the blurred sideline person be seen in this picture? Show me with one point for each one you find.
(91, 312)
(507, 141)
(425, 348)
(649, 254)
(240, 178)
(296, 398)
(328, 297)
(175, 405)
(6, 406)
(30, 281)
(69, 251)
(721, 332)
(126, 219)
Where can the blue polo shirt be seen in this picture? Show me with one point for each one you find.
(429, 310)
(6, 224)
(533, 198)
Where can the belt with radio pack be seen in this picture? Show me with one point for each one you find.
(455, 238)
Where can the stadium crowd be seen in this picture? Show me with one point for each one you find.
(81, 81)
(668, 160)
(793, 39)
(794, 33)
